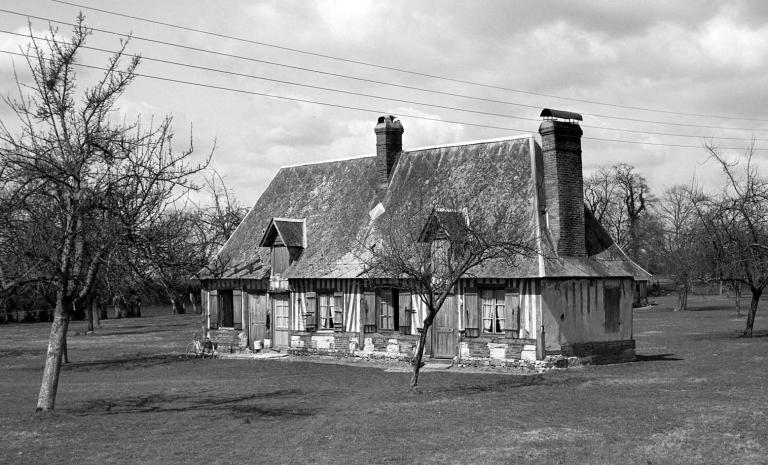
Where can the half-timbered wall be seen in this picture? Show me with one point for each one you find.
(528, 301)
(586, 310)
(300, 305)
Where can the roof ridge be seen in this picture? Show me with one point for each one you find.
(471, 142)
(415, 149)
(334, 160)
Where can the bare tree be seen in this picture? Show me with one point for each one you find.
(600, 194)
(633, 190)
(216, 222)
(619, 198)
(427, 244)
(86, 184)
(736, 222)
(683, 245)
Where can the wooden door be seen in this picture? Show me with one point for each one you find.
(282, 320)
(444, 330)
(257, 317)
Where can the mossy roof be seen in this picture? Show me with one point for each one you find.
(336, 198)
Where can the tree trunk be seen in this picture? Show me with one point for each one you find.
(682, 298)
(89, 312)
(756, 293)
(103, 311)
(97, 312)
(193, 301)
(417, 363)
(177, 306)
(737, 291)
(57, 343)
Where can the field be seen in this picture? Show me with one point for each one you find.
(698, 394)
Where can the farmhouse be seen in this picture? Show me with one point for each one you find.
(293, 275)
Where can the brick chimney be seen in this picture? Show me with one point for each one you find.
(389, 144)
(563, 180)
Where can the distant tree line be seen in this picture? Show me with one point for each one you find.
(688, 234)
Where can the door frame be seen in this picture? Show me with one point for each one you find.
(450, 316)
(273, 331)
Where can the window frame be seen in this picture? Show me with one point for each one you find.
(282, 303)
(392, 313)
(325, 320)
(496, 304)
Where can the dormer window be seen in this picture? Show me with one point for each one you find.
(288, 238)
(446, 231)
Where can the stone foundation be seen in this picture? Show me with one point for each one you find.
(476, 352)
(228, 340)
(395, 346)
(599, 353)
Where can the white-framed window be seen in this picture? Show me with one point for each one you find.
(325, 311)
(493, 310)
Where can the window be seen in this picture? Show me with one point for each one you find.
(326, 311)
(388, 310)
(493, 310)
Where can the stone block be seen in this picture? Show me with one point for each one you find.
(497, 351)
(323, 342)
(368, 347)
(528, 353)
(464, 350)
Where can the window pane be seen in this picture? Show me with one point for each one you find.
(488, 304)
(326, 311)
(500, 317)
(386, 309)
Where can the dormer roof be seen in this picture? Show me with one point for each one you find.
(290, 232)
(444, 223)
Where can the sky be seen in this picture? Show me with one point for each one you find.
(653, 79)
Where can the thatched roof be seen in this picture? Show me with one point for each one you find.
(339, 204)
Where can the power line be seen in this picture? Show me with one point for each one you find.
(400, 70)
(393, 99)
(373, 81)
(369, 110)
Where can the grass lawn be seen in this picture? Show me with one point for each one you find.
(698, 394)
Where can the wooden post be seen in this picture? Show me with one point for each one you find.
(541, 346)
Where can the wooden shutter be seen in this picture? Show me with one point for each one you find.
(404, 310)
(612, 303)
(213, 304)
(311, 311)
(338, 311)
(237, 309)
(385, 309)
(511, 313)
(246, 313)
(204, 301)
(369, 307)
(471, 312)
